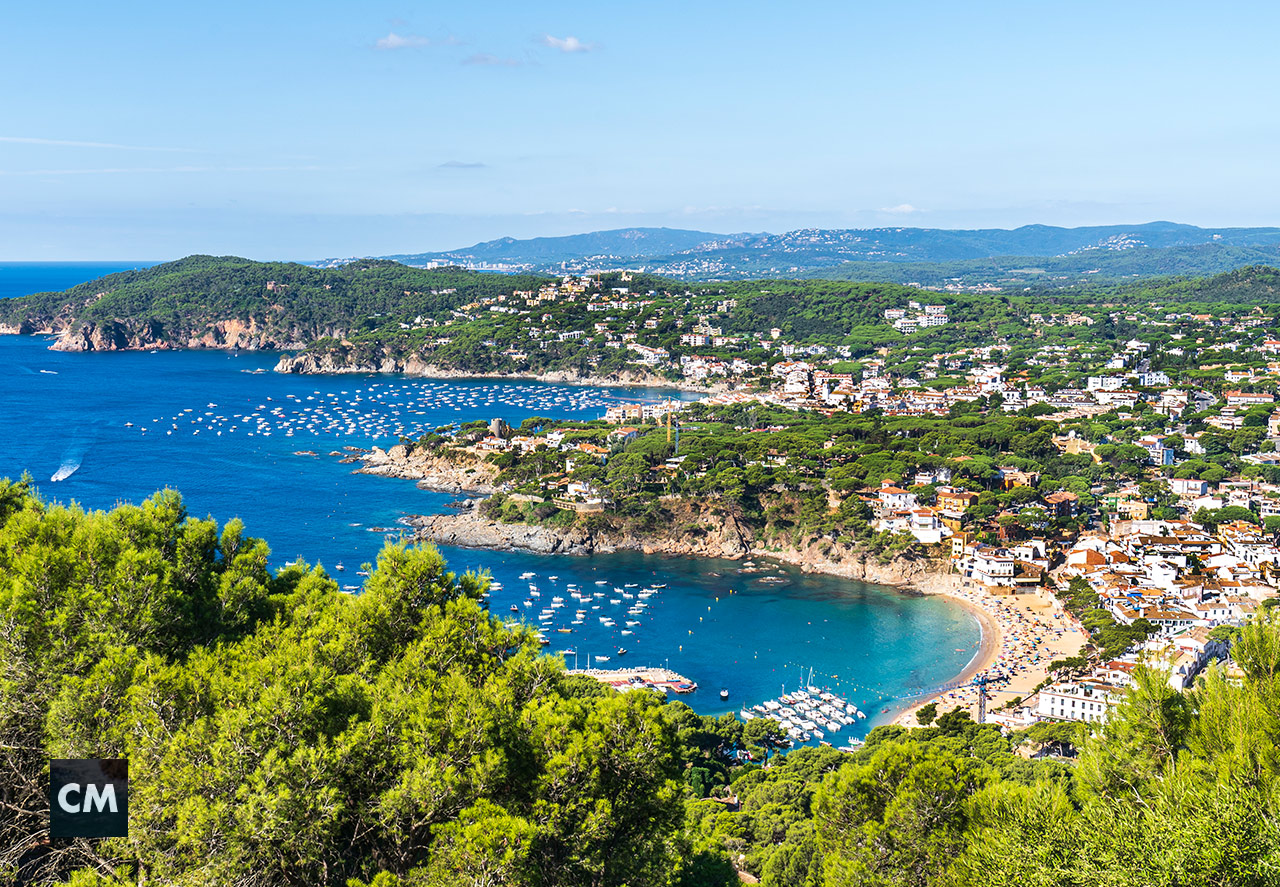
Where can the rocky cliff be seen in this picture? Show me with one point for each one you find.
(687, 535)
(143, 335)
(472, 530)
(454, 471)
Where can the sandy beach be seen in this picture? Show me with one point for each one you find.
(1021, 635)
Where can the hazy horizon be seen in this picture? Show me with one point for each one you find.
(156, 259)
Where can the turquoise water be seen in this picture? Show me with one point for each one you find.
(82, 417)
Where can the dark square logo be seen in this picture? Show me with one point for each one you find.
(88, 799)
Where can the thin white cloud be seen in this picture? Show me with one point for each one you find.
(68, 143)
(566, 44)
(402, 41)
(462, 164)
(902, 209)
(482, 58)
(164, 170)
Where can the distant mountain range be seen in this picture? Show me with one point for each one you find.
(1032, 254)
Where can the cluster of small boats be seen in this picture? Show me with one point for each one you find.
(585, 603)
(807, 714)
(377, 410)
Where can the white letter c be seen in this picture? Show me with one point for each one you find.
(62, 797)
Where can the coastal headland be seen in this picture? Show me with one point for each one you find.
(458, 472)
(690, 534)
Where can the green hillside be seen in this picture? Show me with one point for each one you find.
(181, 297)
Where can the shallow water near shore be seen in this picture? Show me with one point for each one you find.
(67, 415)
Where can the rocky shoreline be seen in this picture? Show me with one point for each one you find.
(238, 335)
(724, 539)
(311, 363)
(232, 334)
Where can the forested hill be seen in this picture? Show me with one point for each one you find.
(232, 302)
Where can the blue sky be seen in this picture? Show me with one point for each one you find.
(305, 130)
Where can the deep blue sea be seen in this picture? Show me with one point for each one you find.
(118, 426)
(22, 278)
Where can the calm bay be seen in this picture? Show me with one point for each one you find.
(227, 432)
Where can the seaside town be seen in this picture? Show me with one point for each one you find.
(1164, 533)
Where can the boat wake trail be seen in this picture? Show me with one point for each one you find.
(70, 465)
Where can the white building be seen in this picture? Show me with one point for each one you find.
(991, 566)
(1087, 700)
(895, 498)
(1105, 383)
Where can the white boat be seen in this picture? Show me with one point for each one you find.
(65, 471)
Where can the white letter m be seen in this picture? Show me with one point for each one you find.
(93, 799)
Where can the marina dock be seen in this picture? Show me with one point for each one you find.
(807, 712)
(637, 678)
